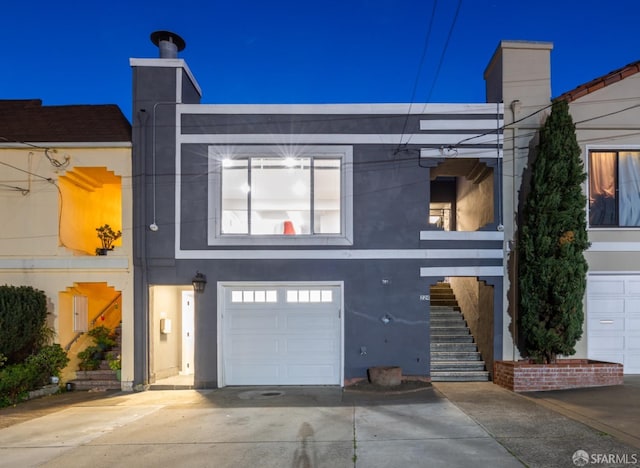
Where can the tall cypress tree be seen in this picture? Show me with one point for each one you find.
(553, 237)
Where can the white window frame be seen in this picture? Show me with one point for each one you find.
(216, 155)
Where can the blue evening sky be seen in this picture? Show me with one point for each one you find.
(283, 51)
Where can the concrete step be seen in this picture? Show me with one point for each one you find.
(444, 302)
(99, 385)
(478, 376)
(458, 366)
(101, 374)
(455, 355)
(442, 295)
(453, 347)
(445, 313)
(449, 331)
(443, 310)
(443, 307)
(447, 324)
(445, 321)
(468, 338)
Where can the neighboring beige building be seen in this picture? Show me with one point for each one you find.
(64, 171)
(606, 112)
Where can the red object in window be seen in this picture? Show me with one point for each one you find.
(288, 229)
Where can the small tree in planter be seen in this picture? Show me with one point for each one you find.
(553, 237)
(107, 236)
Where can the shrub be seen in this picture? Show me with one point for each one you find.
(91, 356)
(18, 379)
(23, 314)
(114, 360)
(15, 382)
(47, 363)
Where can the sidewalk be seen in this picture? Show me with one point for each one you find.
(545, 429)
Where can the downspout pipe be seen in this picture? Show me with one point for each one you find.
(516, 105)
(141, 321)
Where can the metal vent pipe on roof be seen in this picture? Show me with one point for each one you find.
(169, 43)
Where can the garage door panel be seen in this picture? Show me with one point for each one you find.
(633, 342)
(302, 322)
(606, 324)
(633, 325)
(632, 363)
(607, 344)
(244, 321)
(318, 346)
(241, 346)
(318, 371)
(632, 306)
(244, 374)
(605, 306)
(608, 357)
(606, 286)
(633, 287)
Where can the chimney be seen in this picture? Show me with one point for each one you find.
(169, 43)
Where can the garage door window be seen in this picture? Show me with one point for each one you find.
(306, 295)
(254, 296)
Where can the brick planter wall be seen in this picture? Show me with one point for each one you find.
(524, 376)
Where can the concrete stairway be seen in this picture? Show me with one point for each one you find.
(103, 378)
(454, 354)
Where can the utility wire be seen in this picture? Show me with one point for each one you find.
(425, 47)
(440, 61)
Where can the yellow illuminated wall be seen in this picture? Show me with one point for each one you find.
(92, 197)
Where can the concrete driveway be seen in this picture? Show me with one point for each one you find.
(297, 427)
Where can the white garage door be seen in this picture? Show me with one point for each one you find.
(281, 335)
(613, 320)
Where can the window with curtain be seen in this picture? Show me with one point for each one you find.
(614, 188)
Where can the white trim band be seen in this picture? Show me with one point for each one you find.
(71, 263)
(359, 109)
(614, 247)
(333, 138)
(462, 235)
(468, 124)
(70, 144)
(344, 254)
(461, 271)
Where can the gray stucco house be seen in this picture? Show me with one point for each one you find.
(320, 231)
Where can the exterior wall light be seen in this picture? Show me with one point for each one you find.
(199, 282)
(386, 319)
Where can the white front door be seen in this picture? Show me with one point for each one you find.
(187, 333)
(281, 334)
(613, 320)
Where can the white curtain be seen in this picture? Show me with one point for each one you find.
(602, 189)
(629, 188)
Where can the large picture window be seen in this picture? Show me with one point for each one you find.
(272, 195)
(614, 188)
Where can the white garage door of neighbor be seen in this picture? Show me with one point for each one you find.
(281, 335)
(613, 320)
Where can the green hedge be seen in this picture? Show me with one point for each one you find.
(23, 315)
